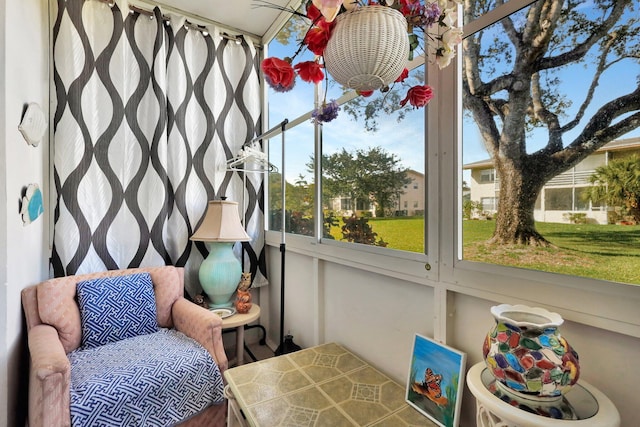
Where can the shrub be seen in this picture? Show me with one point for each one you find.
(358, 230)
(470, 207)
(329, 220)
(575, 218)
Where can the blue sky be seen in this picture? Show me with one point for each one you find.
(405, 140)
(620, 79)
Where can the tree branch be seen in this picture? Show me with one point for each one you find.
(483, 116)
(580, 50)
(547, 117)
(512, 33)
(602, 65)
(542, 21)
(470, 59)
(599, 130)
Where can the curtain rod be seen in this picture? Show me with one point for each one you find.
(277, 129)
(190, 25)
(165, 18)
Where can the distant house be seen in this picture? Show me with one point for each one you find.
(562, 195)
(347, 206)
(410, 201)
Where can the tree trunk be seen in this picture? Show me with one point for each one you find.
(519, 189)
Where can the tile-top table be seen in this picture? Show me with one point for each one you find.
(325, 385)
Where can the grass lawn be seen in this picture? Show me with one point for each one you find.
(404, 233)
(609, 252)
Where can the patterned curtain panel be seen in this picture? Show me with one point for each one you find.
(148, 114)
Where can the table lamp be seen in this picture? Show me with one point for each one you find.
(220, 272)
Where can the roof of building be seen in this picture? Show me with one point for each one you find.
(617, 145)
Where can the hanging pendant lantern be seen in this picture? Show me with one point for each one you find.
(368, 48)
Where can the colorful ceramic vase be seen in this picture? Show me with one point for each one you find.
(526, 353)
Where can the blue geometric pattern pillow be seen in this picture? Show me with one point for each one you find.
(116, 308)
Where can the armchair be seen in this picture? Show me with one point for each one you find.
(54, 325)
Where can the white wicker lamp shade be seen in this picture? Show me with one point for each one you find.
(368, 48)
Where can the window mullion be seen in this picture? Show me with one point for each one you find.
(319, 214)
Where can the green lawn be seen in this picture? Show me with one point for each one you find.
(609, 252)
(404, 233)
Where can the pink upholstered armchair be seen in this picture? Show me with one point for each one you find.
(54, 330)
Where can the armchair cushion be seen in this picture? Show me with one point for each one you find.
(116, 308)
(160, 378)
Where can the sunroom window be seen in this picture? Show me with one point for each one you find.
(373, 165)
(543, 104)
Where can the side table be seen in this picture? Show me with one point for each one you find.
(590, 406)
(238, 321)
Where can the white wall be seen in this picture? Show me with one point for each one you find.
(593, 217)
(24, 45)
(3, 232)
(376, 315)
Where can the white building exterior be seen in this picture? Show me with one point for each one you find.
(562, 195)
(410, 201)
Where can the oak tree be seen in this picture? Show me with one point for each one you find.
(512, 85)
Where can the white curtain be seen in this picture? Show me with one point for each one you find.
(148, 113)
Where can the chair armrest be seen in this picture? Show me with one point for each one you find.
(203, 326)
(49, 378)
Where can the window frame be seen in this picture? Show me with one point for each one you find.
(412, 266)
(593, 302)
(598, 303)
(492, 206)
(490, 174)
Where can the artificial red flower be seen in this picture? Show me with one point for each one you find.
(318, 37)
(403, 76)
(279, 74)
(365, 93)
(310, 71)
(410, 7)
(313, 12)
(418, 96)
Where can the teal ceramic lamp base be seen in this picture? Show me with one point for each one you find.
(220, 274)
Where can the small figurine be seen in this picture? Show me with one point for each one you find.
(245, 282)
(200, 300)
(243, 297)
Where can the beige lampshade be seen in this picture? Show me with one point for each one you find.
(221, 223)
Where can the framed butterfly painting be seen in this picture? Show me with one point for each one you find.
(436, 380)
